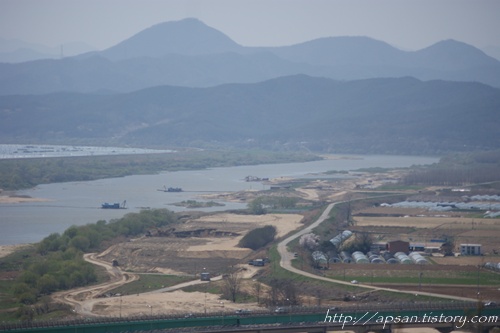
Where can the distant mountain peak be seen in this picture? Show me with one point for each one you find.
(188, 36)
(451, 54)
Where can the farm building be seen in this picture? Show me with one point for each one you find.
(378, 246)
(417, 258)
(470, 249)
(417, 247)
(432, 247)
(346, 257)
(319, 259)
(402, 258)
(398, 246)
(360, 258)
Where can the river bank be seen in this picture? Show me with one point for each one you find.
(11, 197)
(5, 250)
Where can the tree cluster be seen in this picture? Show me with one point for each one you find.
(258, 238)
(54, 271)
(283, 292)
(309, 241)
(362, 242)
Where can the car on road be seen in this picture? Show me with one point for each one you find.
(281, 310)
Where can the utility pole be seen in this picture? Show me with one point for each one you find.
(478, 268)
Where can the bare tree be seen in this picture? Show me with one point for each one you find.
(283, 292)
(232, 284)
(257, 286)
(363, 242)
(310, 241)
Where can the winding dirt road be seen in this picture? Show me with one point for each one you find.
(86, 301)
(81, 298)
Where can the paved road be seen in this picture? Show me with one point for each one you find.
(286, 263)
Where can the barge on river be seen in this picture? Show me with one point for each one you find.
(113, 205)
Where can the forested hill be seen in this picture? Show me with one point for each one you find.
(404, 116)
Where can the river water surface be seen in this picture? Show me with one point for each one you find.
(78, 203)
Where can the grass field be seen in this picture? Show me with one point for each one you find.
(431, 274)
(148, 282)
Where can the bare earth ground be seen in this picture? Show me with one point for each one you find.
(421, 226)
(13, 199)
(191, 255)
(177, 256)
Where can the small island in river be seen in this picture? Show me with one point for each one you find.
(198, 204)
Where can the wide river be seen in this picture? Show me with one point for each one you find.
(78, 203)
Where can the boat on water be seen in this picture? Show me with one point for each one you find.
(170, 189)
(113, 205)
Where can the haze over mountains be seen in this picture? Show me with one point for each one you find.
(16, 51)
(184, 83)
(189, 53)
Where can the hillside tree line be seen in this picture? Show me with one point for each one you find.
(57, 262)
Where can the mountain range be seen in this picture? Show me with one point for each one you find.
(385, 115)
(191, 54)
(186, 84)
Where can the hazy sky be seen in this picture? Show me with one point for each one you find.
(408, 24)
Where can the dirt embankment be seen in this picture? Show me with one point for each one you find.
(215, 252)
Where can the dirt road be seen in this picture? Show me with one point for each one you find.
(86, 301)
(81, 298)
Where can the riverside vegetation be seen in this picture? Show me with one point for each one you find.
(25, 173)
